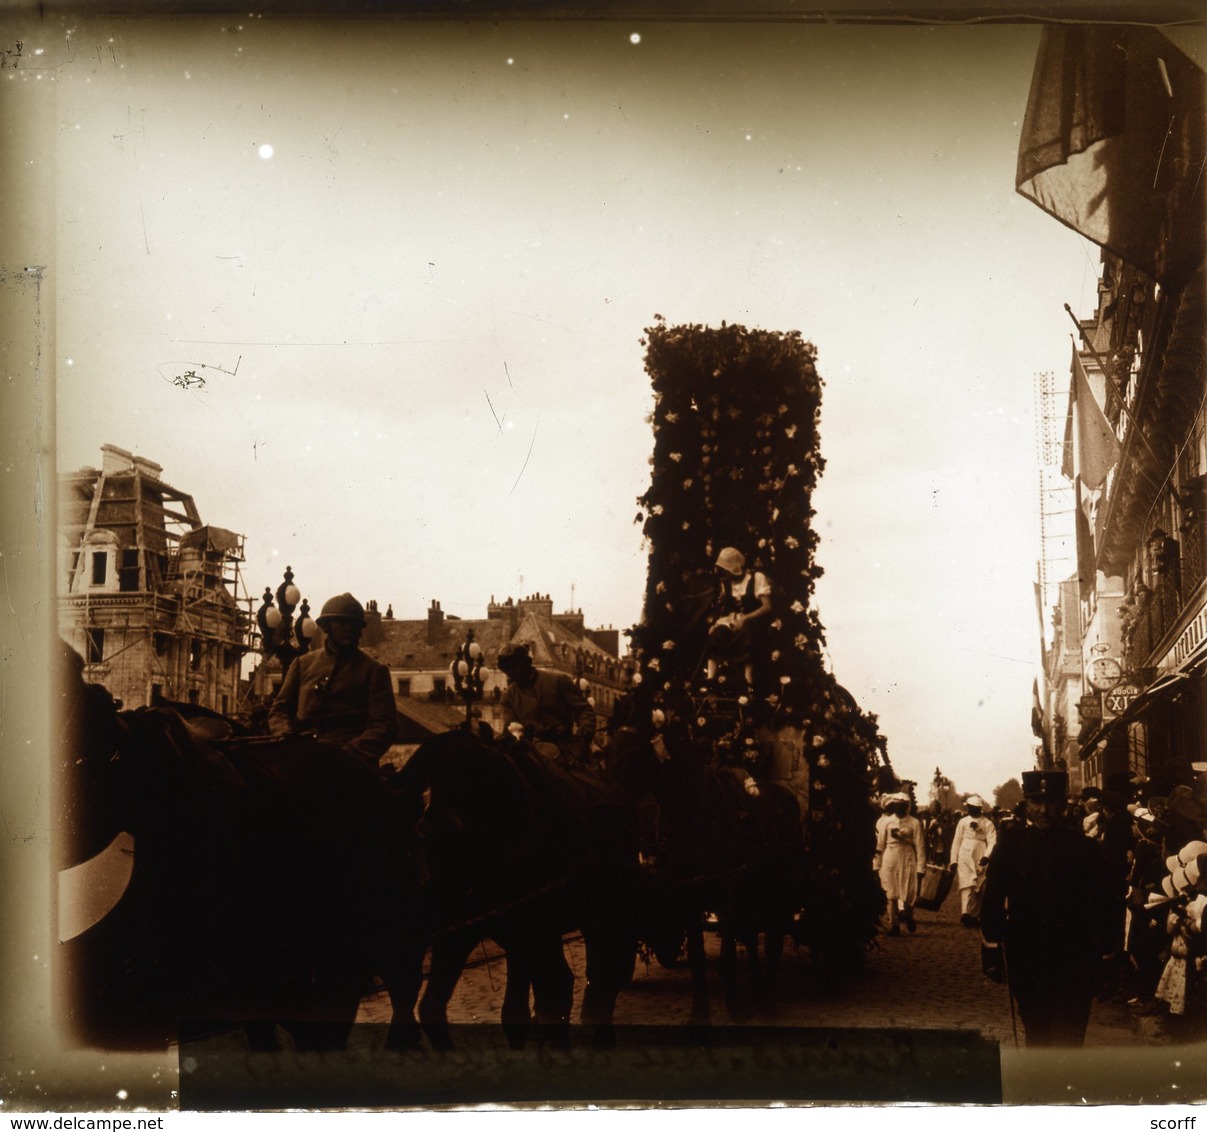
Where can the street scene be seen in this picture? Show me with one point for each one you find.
(582, 548)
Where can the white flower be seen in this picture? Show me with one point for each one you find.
(785, 679)
(657, 508)
(818, 741)
(791, 542)
(660, 588)
(658, 716)
(801, 640)
(796, 607)
(667, 646)
(687, 484)
(777, 624)
(676, 456)
(791, 469)
(655, 664)
(775, 655)
(673, 418)
(790, 432)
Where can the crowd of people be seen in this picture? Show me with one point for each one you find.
(1100, 895)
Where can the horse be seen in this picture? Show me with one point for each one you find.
(236, 881)
(518, 848)
(725, 845)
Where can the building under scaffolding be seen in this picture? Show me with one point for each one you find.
(149, 595)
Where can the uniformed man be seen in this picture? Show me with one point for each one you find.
(338, 692)
(1047, 907)
(545, 707)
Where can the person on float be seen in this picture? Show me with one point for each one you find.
(744, 596)
(973, 841)
(337, 692)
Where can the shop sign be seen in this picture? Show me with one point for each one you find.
(1119, 699)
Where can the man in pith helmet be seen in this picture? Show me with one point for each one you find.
(338, 692)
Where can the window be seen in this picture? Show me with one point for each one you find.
(95, 645)
(225, 703)
(100, 566)
(156, 693)
(194, 695)
(127, 576)
(439, 688)
(404, 686)
(195, 655)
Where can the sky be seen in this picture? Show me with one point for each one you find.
(412, 263)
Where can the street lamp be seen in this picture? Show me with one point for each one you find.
(281, 635)
(469, 675)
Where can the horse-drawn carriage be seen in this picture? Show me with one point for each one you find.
(272, 879)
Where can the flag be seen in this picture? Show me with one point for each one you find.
(1114, 143)
(1037, 711)
(1097, 444)
(1087, 559)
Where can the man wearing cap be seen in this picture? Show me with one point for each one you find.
(545, 706)
(744, 597)
(1047, 909)
(973, 841)
(337, 692)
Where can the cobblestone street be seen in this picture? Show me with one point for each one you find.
(931, 980)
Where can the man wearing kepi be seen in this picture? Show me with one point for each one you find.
(337, 692)
(545, 707)
(1047, 907)
(971, 845)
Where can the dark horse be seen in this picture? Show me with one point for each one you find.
(520, 849)
(263, 886)
(724, 845)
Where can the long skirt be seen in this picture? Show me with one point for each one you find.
(899, 873)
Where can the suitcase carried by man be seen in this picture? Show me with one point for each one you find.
(933, 890)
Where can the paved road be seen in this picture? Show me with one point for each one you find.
(930, 980)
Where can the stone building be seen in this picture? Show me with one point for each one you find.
(149, 595)
(419, 654)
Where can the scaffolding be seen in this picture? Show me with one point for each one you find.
(140, 566)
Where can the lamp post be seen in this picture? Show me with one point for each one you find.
(281, 634)
(469, 675)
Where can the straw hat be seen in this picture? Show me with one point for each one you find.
(1185, 855)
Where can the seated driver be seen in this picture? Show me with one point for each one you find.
(546, 706)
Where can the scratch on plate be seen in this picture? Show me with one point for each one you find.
(529, 456)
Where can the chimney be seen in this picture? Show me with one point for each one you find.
(115, 460)
(435, 622)
(148, 467)
(372, 633)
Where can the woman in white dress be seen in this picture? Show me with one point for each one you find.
(901, 859)
(971, 844)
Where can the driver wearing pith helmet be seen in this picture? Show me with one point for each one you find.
(338, 692)
(545, 706)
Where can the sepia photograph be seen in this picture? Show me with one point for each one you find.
(638, 558)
